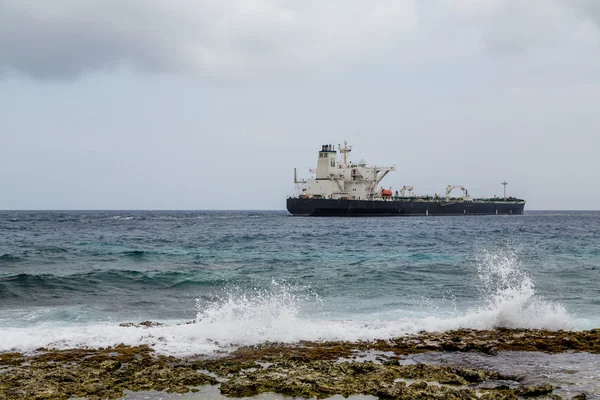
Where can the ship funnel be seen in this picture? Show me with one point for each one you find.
(327, 147)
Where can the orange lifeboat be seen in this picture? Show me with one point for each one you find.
(386, 193)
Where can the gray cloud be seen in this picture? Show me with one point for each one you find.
(518, 26)
(67, 38)
(63, 39)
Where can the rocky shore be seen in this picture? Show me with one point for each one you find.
(305, 369)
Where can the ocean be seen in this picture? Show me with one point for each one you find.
(68, 279)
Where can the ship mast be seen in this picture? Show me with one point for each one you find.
(345, 150)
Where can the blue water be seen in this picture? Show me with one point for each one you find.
(69, 278)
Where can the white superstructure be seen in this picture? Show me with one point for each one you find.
(342, 179)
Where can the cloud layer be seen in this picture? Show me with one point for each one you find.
(64, 39)
(67, 38)
(517, 25)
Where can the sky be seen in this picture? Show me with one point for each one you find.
(197, 105)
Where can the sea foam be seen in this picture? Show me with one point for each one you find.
(285, 313)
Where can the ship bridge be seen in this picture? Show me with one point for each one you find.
(341, 179)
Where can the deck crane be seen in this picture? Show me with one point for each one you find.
(404, 189)
(449, 188)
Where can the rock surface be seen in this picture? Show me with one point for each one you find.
(303, 369)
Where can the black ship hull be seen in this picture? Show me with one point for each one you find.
(334, 207)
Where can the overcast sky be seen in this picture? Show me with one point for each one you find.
(187, 104)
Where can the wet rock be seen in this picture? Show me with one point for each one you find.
(324, 378)
(143, 324)
(110, 365)
(473, 376)
(11, 359)
(304, 369)
(419, 385)
(97, 374)
(534, 391)
(391, 391)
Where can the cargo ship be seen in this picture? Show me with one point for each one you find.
(343, 188)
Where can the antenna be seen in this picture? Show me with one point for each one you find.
(345, 150)
(504, 184)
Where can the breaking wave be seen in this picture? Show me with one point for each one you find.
(510, 299)
(287, 313)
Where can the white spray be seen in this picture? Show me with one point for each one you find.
(286, 313)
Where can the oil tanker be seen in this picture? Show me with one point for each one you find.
(343, 188)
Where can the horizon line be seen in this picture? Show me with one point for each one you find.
(215, 209)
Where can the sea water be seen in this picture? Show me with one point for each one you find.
(68, 279)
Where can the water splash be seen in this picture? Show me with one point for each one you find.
(272, 314)
(508, 297)
(282, 312)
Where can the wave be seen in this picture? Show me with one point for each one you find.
(287, 313)
(509, 298)
(9, 258)
(90, 249)
(40, 285)
(52, 249)
(31, 287)
(31, 281)
(136, 254)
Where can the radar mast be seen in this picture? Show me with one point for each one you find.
(345, 150)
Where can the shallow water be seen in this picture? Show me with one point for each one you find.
(212, 393)
(572, 373)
